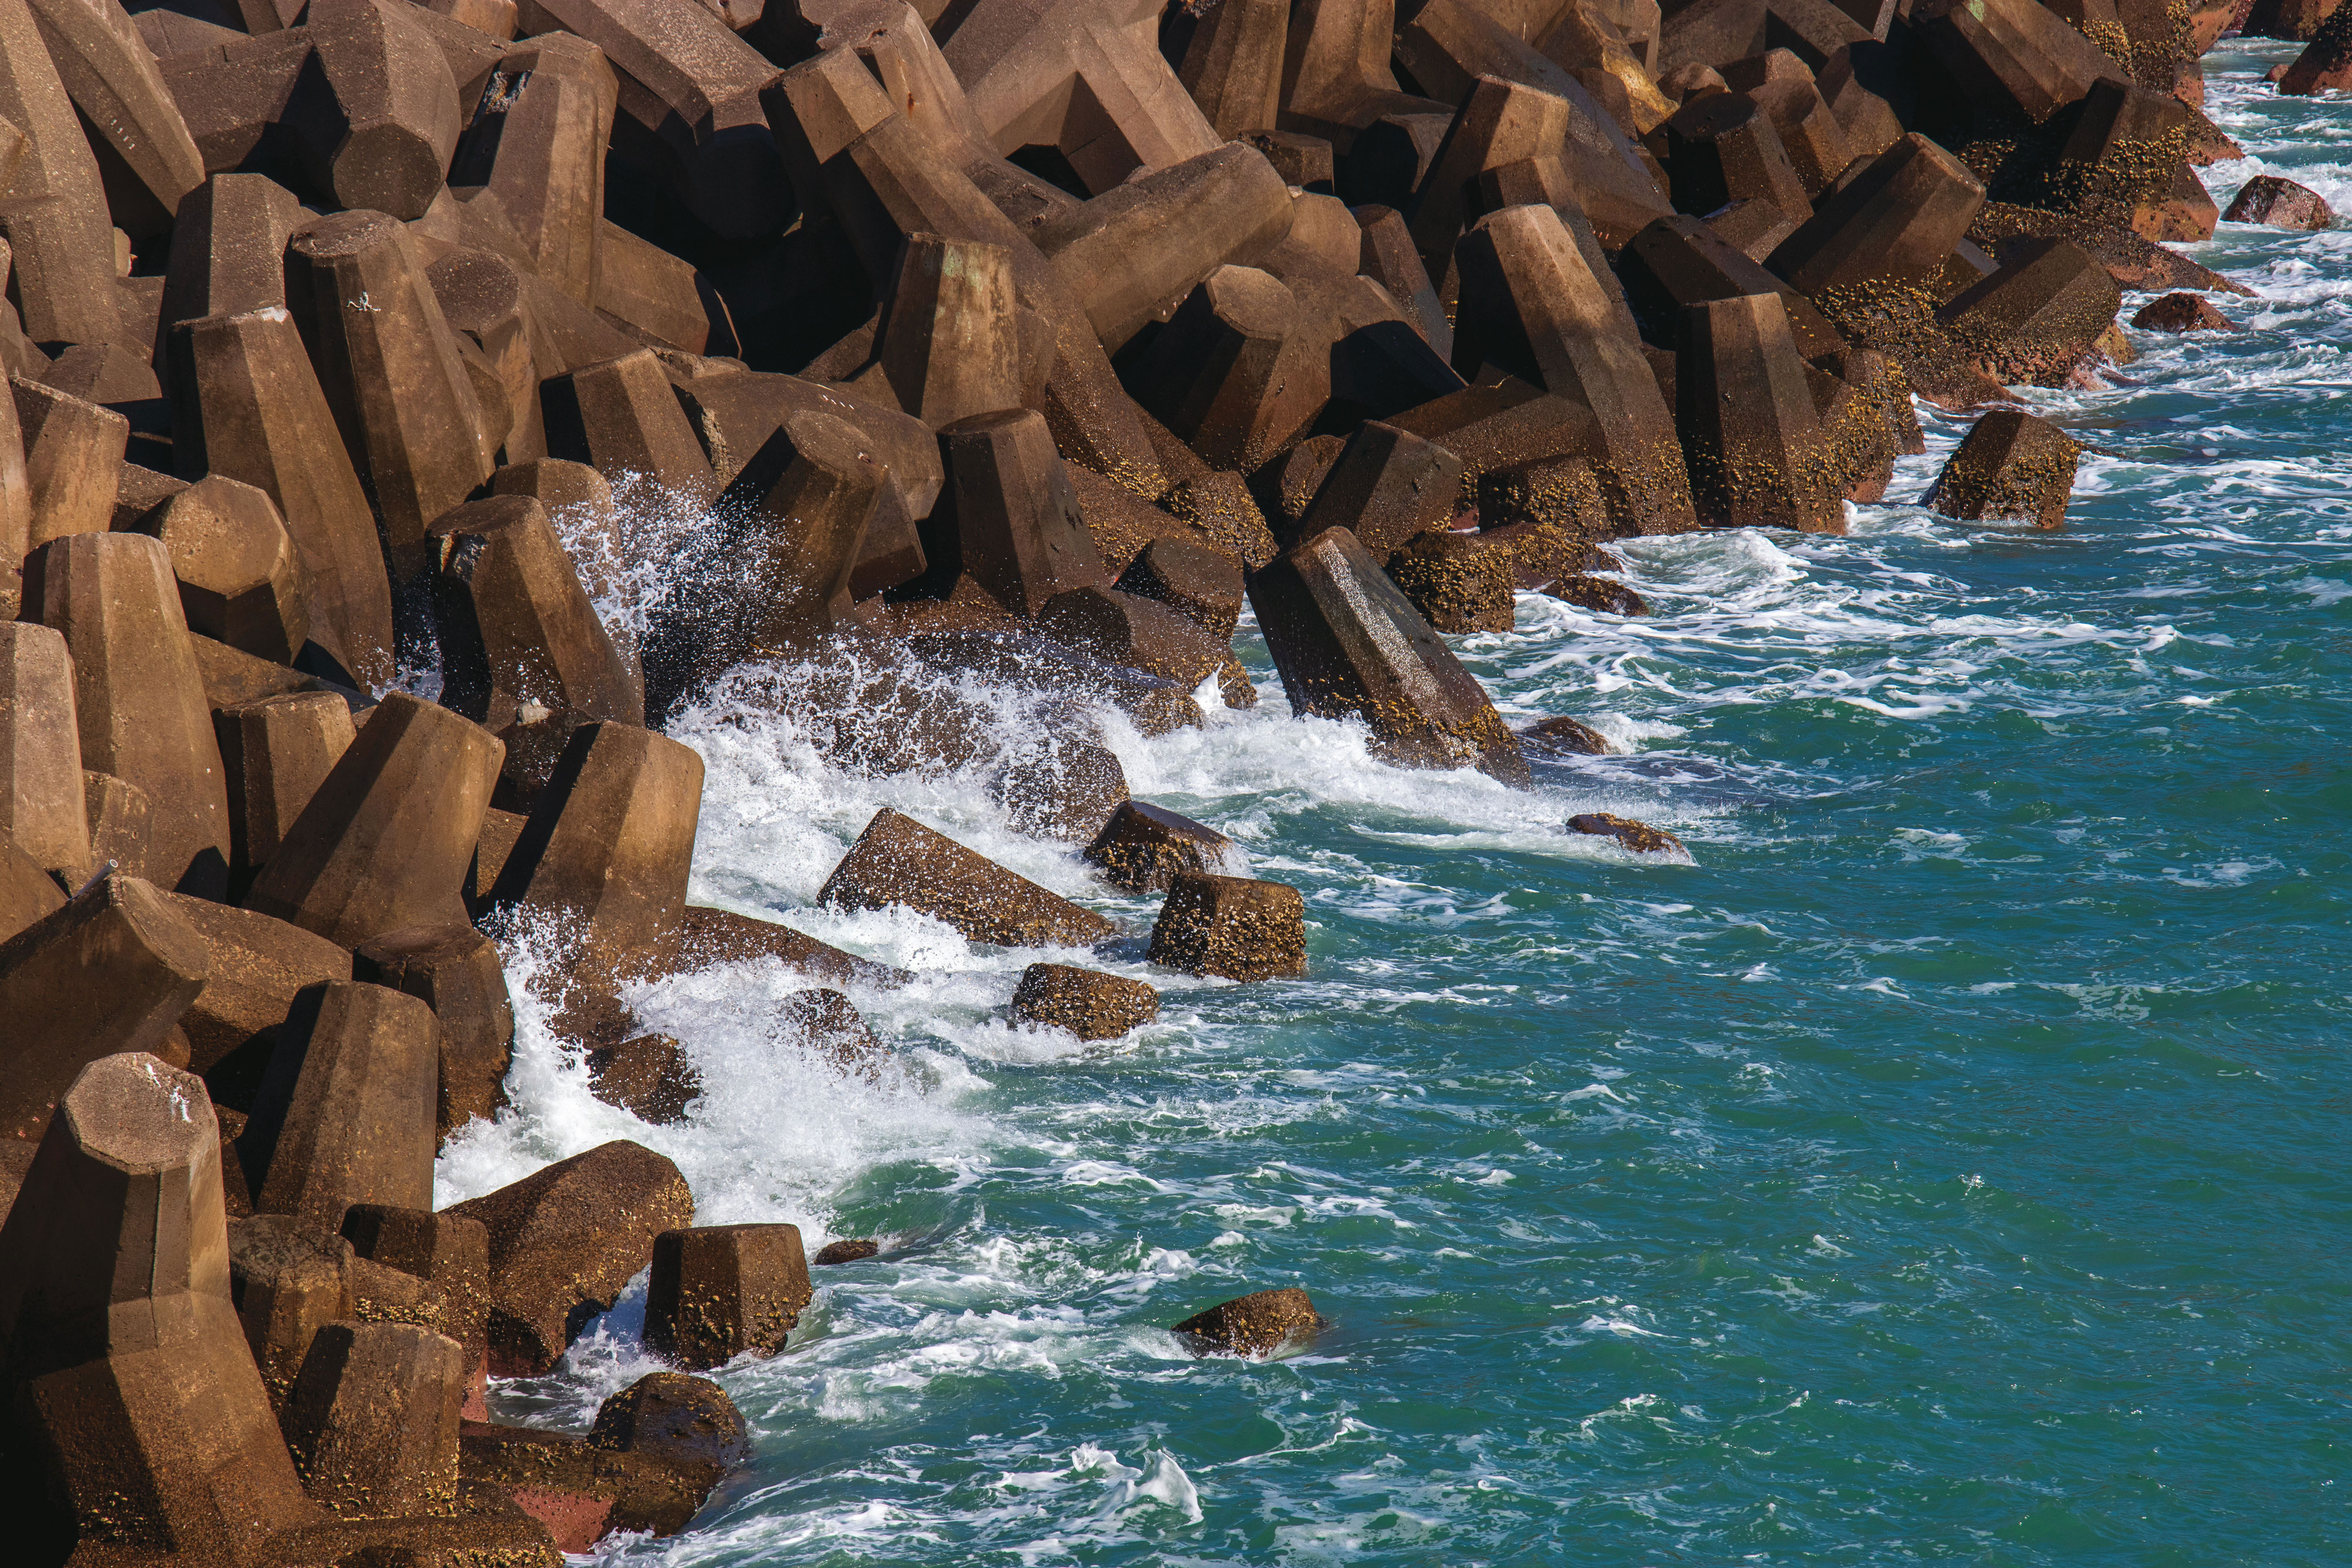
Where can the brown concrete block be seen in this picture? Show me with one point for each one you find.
(2011, 53)
(387, 839)
(455, 971)
(2037, 318)
(27, 893)
(522, 652)
(242, 581)
(406, 409)
(722, 936)
(1130, 254)
(1197, 581)
(1895, 221)
(1086, 78)
(485, 300)
(1724, 147)
(1533, 305)
(41, 805)
(111, 78)
(1088, 1002)
(949, 343)
(2292, 21)
(1753, 437)
(255, 969)
(1008, 517)
(723, 1291)
(371, 1419)
(898, 861)
(1336, 67)
(1257, 1325)
(381, 133)
(777, 571)
(1231, 63)
(450, 1252)
(1348, 645)
(232, 93)
(1710, 32)
(537, 139)
(1143, 847)
(1854, 82)
(136, 1381)
(248, 406)
(73, 461)
(345, 1115)
(1610, 50)
(288, 1280)
(1231, 925)
(1388, 487)
(1451, 44)
(566, 1240)
(657, 1450)
(2279, 204)
(688, 104)
(621, 417)
(1503, 122)
(1387, 257)
(1682, 261)
(122, 823)
(2182, 313)
(111, 969)
(1061, 786)
(649, 1076)
(1458, 582)
(2011, 465)
(1811, 133)
(1237, 372)
(275, 752)
(1137, 632)
(138, 699)
(57, 224)
(658, 298)
(608, 846)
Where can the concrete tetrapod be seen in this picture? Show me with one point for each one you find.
(1348, 645)
(130, 1364)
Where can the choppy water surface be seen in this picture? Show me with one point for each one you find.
(1948, 1165)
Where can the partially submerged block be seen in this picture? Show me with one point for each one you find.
(1233, 926)
(723, 1291)
(1088, 1002)
(607, 848)
(1256, 1325)
(1144, 847)
(2011, 465)
(1752, 436)
(1348, 645)
(898, 861)
(564, 1243)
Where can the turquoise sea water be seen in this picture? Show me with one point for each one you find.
(1948, 1165)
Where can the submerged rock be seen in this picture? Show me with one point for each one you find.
(1256, 1325)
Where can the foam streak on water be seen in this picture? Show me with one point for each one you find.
(1947, 1166)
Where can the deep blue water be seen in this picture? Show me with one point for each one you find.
(1947, 1165)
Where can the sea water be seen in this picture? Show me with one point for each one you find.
(1946, 1164)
